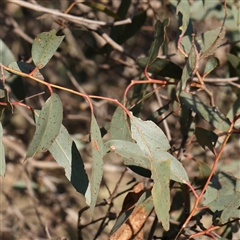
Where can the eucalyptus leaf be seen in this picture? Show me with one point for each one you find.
(238, 17)
(186, 44)
(159, 39)
(119, 128)
(235, 111)
(161, 67)
(222, 198)
(148, 135)
(206, 138)
(47, 126)
(123, 8)
(44, 46)
(204, 172)
(6, 56)
(124, 145)
(97, 164)
(145, 202)
(188, 69)
(26, 68)
(2, 154)
(131, 29)
(154, 145)
(122, 33)
(210, 114)
(184, 8)
(66, 154)
(211, 64)
(161, 191)
(130, 151)
(234, 60)
(210, 41)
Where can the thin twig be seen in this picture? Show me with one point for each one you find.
(185, 137)
(104, 223)
(109, 200)
(206, 89)
(199, 197)
(153, 228)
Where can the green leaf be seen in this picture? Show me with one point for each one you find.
(148, 136)
(122, 33)
(210, 41)
(131, 152)
(222, 198)
(119, 128)
(237, 185)
(177, 171)
(2, 93)
(97, 164)
(154, 145)
(66, 154)
(207, 42)
(131, 29)
(6, 56)
(47, 126)
(145, 204)
(186, 119)
(236, 14)
(135, 156)
(102, 8)
(211, 64)
(161, 67)
(161, 191)
(186, 44)
(204, 172)
(206, 138)
(210, 114)
(232, 166)
(2, 154)
(145, 201)
(123, 8)
(234, 64)
(121, 220)
(26, 68)
(238, 19)
(183, 7)
(44, 46)
(187, 71)
(203, 2)
(117, 31)
(234, 111)
(204, 169)
(159, 39)
(234, 60)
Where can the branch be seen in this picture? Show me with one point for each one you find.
(219, 80)
(91, 25)
(71, 18)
